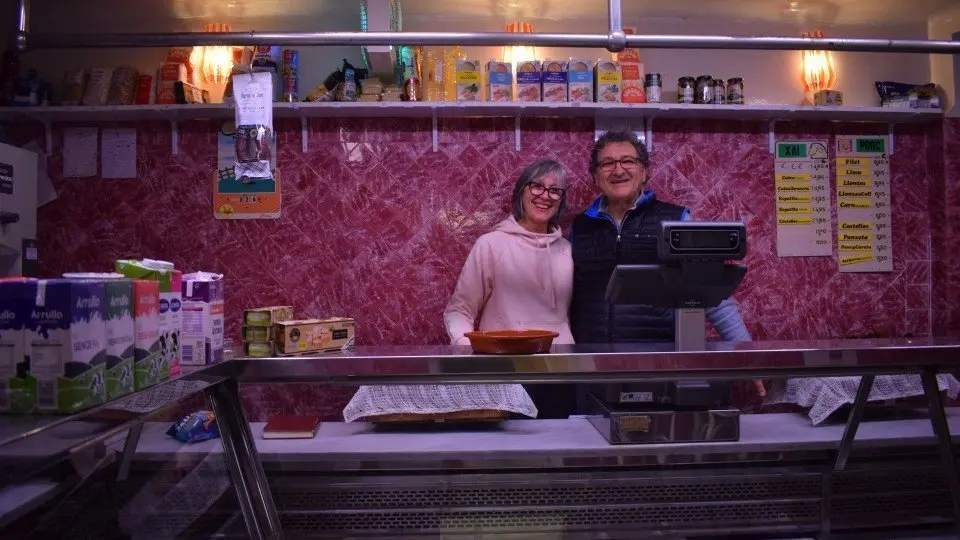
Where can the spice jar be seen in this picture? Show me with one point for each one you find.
(704, 89)
(735, 91)
(719, 92)
(654, 86)
(686, 89)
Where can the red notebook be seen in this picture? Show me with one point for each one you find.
(291, 427)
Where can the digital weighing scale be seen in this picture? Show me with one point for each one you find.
(693, 275)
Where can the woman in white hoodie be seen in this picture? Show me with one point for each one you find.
(520, 275)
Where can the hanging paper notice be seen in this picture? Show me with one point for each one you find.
(118, 153)
(863, 205)
(244, 198)
(802, 182)
(80, 152)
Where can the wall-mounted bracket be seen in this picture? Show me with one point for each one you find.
(772, 137)
(890, 138)
(174, 137)
(516, 132)
(304, 132)
(436, 135)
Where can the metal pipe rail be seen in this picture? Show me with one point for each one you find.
(614, 41)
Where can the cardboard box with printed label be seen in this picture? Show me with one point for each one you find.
(315, 335)
(267, 316)
(202, 322)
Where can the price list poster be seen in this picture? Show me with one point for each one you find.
(802, 179)
(863, 205)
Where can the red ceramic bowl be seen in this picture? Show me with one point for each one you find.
(511, 341)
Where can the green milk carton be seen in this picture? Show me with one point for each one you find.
(65, 339)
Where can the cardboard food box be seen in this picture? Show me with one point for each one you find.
(168, 75)
(18, 389)
(828, 97)
(315, 335)
(628, 55)
(555, 81)
(529, 81)
(580, 75)
(468, 80)
(499, 81)
(267, 316)
(608, 82)
(632, 79)
(148, 365)
(202, 322)
(65, 340)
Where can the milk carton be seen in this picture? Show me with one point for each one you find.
(118, 317)
(171, 303)
(202, 319)
(149, 367)
(18, 390)
(65, 339)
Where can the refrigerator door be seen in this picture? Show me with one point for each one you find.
(18, 212)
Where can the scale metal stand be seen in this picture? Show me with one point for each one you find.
(693, 277)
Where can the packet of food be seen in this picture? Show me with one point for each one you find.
(608, 81)
(555, 81)
(529, 80)
(580, 74)
(499, 81)
(468, 80)
(195, 427)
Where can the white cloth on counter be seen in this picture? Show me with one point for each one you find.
(825, 395)
(438, 399)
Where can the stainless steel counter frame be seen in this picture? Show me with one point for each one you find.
(448, 365)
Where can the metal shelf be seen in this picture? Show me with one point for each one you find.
(181, 113)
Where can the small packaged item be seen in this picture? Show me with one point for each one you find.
(468, 80)
(915, 96)
(195, 427)
(74, 83)
(254, 120)
(499, 81)
(295, 337)
(608, 81)
(555, 81)
(123, 86)
(529, 81)
(259, 349)
(98, 87)
(632, 85)
(259, 333)
(580, 74)
(146, 91)
(828, 97)
(267, 316)
(350, 90)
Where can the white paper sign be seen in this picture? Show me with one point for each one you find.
(80, 152)
(802, 183)
(863, 205)
(118, 153)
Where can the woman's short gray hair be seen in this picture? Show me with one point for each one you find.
(533, 173)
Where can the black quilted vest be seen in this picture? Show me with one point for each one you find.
(597, 248)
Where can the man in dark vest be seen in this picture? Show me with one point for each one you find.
(622, 227)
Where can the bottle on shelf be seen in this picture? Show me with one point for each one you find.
(450, 57)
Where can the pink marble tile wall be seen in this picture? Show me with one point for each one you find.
(945, 212)
(376, 225)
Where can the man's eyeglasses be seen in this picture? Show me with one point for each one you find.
(554, 193)
(628, 164)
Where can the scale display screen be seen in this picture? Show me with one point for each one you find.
(704, 240)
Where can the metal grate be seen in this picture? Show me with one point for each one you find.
(889, 480)
(323, 494)
(661, 516)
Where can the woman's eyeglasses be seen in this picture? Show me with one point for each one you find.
(554, 193)
(628, 164)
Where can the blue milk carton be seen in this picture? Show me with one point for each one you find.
(18, 390)
(65, 338)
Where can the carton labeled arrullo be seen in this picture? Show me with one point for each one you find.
(18, 389)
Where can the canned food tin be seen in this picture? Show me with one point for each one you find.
(719, 92)
(686, 89)
(735, 91)
(291, 75)
(654, 87)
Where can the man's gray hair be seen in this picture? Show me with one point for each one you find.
(533, 173)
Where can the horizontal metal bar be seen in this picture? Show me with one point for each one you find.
(90, 40)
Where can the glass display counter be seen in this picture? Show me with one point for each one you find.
(111, 472)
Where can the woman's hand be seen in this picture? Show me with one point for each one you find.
(761, 389)
(462, 340)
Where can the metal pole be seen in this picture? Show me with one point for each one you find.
(853, 421)
(938, 418)
(618, 40)
(92, 40)
(253, 494)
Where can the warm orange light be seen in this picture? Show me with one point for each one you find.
(817, 69)
(519, 53)
(213, 64)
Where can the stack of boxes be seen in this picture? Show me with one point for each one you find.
(632, 75)
(272, 331)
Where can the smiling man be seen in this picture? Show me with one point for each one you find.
(622, 227)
